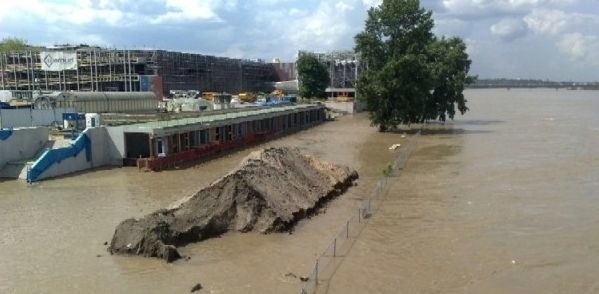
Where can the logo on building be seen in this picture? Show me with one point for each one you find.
(58, 60)
(48, 60)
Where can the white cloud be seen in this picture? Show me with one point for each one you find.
(77, 13)
(114, 12)
(555, 22)
(371, 3)
(319, 28)
(188, 10)
(564, 31)
(490, 7)
(342, 6)
(581, 48)
(324, 27)
(509, 29)
(573, 33)
(575, 45)
(552, 22)
(270, 2)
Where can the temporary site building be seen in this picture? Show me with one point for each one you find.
(107, 102)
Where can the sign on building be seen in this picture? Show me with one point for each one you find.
(58, 60)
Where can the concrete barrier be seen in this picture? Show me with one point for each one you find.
(22, 144)
(15, 118)
(345, 107)
(100, 153)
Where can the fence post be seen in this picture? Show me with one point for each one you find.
(347, 230)
(316, 273)
(335, 247)
(359, 215)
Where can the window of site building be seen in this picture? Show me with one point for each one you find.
(193, 138)
(203, 137)
(160, 147)
(229, 132)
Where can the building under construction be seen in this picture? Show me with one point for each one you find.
(102, 69)
(344, 68)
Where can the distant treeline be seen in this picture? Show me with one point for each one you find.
(519, 83)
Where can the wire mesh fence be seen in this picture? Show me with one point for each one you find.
(328, 262)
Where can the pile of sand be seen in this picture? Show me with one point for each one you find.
(270, 191)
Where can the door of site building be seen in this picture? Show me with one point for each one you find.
(137, 145)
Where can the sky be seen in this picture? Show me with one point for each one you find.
(539, 39)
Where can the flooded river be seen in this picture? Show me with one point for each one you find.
(502, 200)
(505, 200)
(53, 232)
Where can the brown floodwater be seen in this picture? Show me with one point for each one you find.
(53, 232)
(503, 200)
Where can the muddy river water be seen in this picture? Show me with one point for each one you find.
(502, 200)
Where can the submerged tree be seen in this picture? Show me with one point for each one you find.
(450, 65)
(314, 76)
(410, 76)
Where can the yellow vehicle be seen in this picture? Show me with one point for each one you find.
(247, 97)
(278, 93)
(343, 97)
(209, 96)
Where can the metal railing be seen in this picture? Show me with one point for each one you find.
(328, 262)
(52, 156)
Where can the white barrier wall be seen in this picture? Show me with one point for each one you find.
(22, 144)
(116, 142)
(104, 153)
(346, 107)
(16, 118)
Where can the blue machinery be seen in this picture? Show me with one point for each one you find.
(287, 100)
(52, 156)
(5, 134)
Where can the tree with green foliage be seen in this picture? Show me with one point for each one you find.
(410, 75)
(12, 44)
(313, 76)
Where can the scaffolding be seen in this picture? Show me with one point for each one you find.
(344, 67)
(97, 70)
(102, 69)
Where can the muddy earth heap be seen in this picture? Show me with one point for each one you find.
(270, 191)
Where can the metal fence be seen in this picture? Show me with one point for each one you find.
(328, 262)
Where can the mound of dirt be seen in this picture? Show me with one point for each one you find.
(269, 192)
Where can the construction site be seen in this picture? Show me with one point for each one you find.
(344, 68)
(98, 69)
(154, 109)
(103, 69)
(69, 112)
